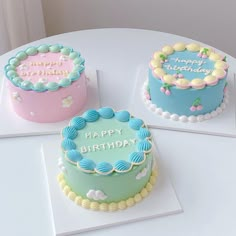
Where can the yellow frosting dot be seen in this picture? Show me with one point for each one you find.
(157, 54)
(122, 205)
(221, 65)
(71, 196)
(144, 192)
(85, 203)
(197, 83)
(210, 79)
(60, 177)
(78, 200)
(154, 173)
(94, 206)
(138, 197)
(179, 47)
(148, 187)
(182, 83)
(66, 190)
(159, 72)
(103, 207)
(214, 57)
(130, 202)
(62, 184)
(152, 180)
(113, 206)
(156, 63)
(219, 73)
(167, 50)
(193, 47)
(170, 79)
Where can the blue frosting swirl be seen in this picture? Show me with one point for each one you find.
(104, 167)
(64, 82)
(31, 51)
(144, 145)
(78, 122)
(21, 55)
(74, 75)
(135, 123)
(66, 51)
(87, 164)
(11, 73)
(143, 133)
(68, 144)
(74, 156)
(136, 157)
(74, 55)
(122, 165)
(55, 48)
(79, 60)
(52, 86)
(122, 116)
(69, 132)
(14, 62)
(40, 87)
(26, 85)
(43, 48)
(106, 112)
(16, 81)
(91, 115)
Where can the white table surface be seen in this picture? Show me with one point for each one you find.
(201, 167)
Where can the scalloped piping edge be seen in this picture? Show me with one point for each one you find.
(193, 119)
(113, 206)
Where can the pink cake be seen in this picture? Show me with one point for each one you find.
(46, 83)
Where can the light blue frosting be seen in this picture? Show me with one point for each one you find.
(87, 164)
(68, 144)
(122, 165)
(78, 122)
(52, 86)
(69, 132)
(135, 123)
(74, 156)
(136, 157)
(144, 145)
(106, 112)
(104, 167)
(143, 133)
(91, 115)
(16, 81)
(43, 48)
(21, 55)
(31, 51)
(122, 116)
(26, 85)
(10, 68)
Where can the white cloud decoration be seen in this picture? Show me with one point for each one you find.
(61, 165)
(96, 194)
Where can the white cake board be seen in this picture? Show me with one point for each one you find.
(223, 125)
(72, 219)
(12, 125)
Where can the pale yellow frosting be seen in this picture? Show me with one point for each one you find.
(210, 79)
(170, 79)
(157, 54)
(197, 83)
(193, 47)
(182, 83)
(113, 206)
(179, 47)
(167, 50)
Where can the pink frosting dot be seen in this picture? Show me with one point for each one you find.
(199, 107)
(192, 108)
(167, 92)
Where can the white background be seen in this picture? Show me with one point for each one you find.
(208, 21)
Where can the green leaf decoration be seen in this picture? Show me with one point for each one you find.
(197, 102)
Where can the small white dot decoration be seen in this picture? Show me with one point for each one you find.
(32, 113)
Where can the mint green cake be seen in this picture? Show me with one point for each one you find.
(106, 161)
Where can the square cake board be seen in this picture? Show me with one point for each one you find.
(12, 125)
(222, 125)
(72, 219)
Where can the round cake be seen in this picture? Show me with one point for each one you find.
(107, 162)
(186, 82)
(46, 83)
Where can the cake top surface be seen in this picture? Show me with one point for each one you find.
(43, 68)
(188, 66)
(105, 141)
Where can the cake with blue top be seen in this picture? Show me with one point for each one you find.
(186, 82)
(106, 161)
(46, 83)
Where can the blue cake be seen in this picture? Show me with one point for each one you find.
(186, 82)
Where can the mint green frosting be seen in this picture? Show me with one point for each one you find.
(11, 73)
